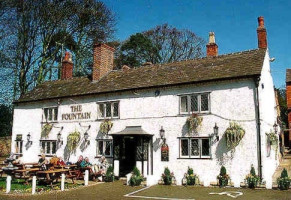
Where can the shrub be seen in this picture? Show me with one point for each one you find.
(136, 178)
(167, 176)
(223, 177)
(191, 177)
(284, 181)
(109, 176)
(252, 179)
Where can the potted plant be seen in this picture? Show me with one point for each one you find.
(191, 178)
(223, 177)
(234, 133)
(46, 129)
(105, 126)
(136, 178)
(109, 176)
(252, 179)
(168, 177)
(193, 122)
(73, 140)
(284, 181)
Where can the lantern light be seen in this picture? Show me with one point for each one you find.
(215, 131)
(275, 127)
(162, 133)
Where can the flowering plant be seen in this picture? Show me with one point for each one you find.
(284, 181)
(223, 177)
(234, 133)
(191, 178)
(105, 126)
(136, 178)
(46, 129)
(109, 176)
(73, 140)
(252, 179)
(168, 176)
(193, 122)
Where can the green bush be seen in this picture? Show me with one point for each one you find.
(223, 177)
(136, 178)
(109, 176)
(284, 181)
(167, 176)
(191, 177)
(252, 179)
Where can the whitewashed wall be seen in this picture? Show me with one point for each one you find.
(230, 101)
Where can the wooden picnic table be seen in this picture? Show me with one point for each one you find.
(25, 173)
(66, 167)
(50, 175)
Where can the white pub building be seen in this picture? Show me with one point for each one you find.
(165, 115)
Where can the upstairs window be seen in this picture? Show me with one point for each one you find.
(194, 103)
(108, 110)
(50, 114)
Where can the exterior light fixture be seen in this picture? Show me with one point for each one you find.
(29, 139)
(59, 137)
(215, 131)
(275, 127)
(86, 137)
(162, 134)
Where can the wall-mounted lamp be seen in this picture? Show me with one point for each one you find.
(215, 131)
(162, 134)
(86, 137)
(29, 139)
(275, 127)
(59, 137)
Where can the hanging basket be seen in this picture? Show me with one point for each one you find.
(106, 126)
(46, 129)
(234, 133)
(194, 122)
(73, 140)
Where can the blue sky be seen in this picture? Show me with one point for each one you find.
(233, 21)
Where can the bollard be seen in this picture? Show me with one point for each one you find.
(8, 184)
(33, 185)
(63, 182)
(86, 178)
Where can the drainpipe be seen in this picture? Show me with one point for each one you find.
(257, 103)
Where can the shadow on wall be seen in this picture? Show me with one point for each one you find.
(222, 153)
(67, 153)
(157, 144)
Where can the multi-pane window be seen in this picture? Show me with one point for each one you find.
(108, 110)
(194, 103)
(50, 114)
(104, 148)
(48, 147)
(18, 144)
(194, 147)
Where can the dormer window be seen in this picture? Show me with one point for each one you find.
(50, 114)
(108, 110)
(194, 103)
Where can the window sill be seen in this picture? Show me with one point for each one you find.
(47, 155)
(104, 156)
(49, 122)
(111, 119)
(188, 114)
(18, 154)
(196, 158)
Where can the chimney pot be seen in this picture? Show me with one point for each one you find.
(262, 34)
(261, 22)
(212, 48)
(67, 67)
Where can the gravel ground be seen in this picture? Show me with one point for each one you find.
(117, 190)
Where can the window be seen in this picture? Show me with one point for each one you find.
(194, 103)
(50, 114)
(108, 110)
(104, 148)
(48, 147)
(194, 147)
(18, 144)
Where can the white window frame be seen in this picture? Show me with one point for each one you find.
(44, 151)
(189, 103)
(53, 114)
(189, 147)
(104, 147)
(18, 143)
(104, 109)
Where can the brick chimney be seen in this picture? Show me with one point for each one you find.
(212, 48)
(262, 34)
(103, 56)
(67, 67)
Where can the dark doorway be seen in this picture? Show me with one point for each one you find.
(128, 158)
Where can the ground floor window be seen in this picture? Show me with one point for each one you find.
(104, 148)
(48, 147)
(18, 144)
(194, 147)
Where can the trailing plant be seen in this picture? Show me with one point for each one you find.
(252, 179)
(273, 138)
(168, 177)
(46, 129)
(223, 177)
(234, 133)
(136, 178)
(193, 122)
(284, 181)
(191, 178)
(109, 176)
(105, 126)
(73, 140)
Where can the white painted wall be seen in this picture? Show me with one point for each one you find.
(230, 100)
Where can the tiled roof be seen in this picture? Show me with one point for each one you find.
(288, 75)
(228, 66)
